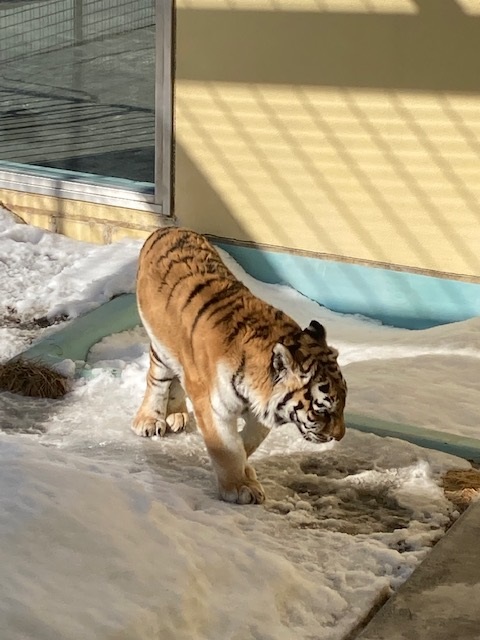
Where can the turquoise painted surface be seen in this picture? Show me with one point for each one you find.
(462, 446)
(74, 341)
(395, 298)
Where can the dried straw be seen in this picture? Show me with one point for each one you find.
(32, 378)
(462, 486)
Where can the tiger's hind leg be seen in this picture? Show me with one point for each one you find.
(151, 416)
(253, 433)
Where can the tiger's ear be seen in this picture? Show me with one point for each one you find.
(282, 360)
(317, 331)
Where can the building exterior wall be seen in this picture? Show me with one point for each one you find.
(348, 129)
(86, 221)
(333, 145)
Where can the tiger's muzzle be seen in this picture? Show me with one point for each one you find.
(334, 430)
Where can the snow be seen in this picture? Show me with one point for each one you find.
(41, 272)
(104, 534)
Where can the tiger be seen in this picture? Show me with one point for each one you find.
(233, 355)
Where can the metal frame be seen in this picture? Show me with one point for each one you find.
(80, 186)
(114, 191)
(163, 104)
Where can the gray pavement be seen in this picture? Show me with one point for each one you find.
(441, 600)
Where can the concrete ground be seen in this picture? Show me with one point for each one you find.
(441, 600)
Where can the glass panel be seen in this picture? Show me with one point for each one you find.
(77, 80)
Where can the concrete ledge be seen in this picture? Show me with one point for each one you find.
(461, 446)
(74, 341)
(441, 600)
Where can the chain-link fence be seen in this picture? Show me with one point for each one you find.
(37, 26)
(77, 85)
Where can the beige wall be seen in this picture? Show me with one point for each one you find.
(352, 132)
(82, 220)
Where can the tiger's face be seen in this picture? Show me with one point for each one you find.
(310, 390)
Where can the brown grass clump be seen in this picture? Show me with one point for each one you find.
(32, 378)
(462, 486)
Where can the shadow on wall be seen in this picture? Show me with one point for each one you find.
(402, 299)
(432, 48)
(354, 135)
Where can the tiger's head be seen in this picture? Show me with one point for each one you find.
(309, 389)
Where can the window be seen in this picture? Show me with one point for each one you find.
(85, 99)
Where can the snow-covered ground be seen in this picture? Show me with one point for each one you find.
(106, 535)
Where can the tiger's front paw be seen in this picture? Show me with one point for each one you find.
(177, 422)
(148, 426)
(251, 493)
(248, 491)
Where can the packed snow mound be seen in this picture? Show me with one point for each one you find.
(48, 275)
(117, 547)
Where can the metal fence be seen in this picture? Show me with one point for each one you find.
(37, 26)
